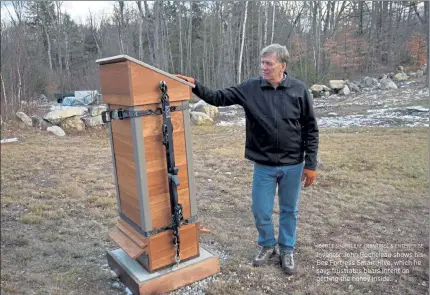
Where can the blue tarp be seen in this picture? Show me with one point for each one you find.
(81, 98)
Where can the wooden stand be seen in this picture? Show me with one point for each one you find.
(140, 169)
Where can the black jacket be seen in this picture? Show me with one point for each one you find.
(281, 128)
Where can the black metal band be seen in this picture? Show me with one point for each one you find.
(150, 233)
(121, 114)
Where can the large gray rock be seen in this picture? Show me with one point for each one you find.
(200, 119)
(316, 94)
(93, 121)
(352, 86)
(73, 124)
(198, 104)
(97, 110)
(370, 82)
(401, 76)
(326, 88)
(40, 123)
(208, 109)
(337, 84)
(56, 130)
(194, 98)
(387, 84)
(345, 90)
(56, 116)
(317, 88)
(25, 119)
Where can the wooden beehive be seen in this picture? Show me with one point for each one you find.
(139, 160)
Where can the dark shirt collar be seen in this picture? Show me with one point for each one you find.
(285, 83)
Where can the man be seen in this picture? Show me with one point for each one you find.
(281, 140)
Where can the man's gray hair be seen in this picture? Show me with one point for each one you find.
(281, 52)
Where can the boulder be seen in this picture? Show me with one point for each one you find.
(208, 109)
(40, 123)
(97, 110)
(369, 82)
(388, 84)
(25, 119)
(56, 130)
(194, 98)
(326, 88)
(73, 124)
(198, 104)
(337, 84)
(401, 76)
(345, 90)
(316, 94)
(93, 121)
(56, 116)
(317, 88)
(352, 86)
(200, 119)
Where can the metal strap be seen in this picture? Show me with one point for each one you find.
(121, 114)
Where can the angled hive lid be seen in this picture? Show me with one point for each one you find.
(127, 81)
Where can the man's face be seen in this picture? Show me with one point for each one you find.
(271, 69)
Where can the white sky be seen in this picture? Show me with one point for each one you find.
(78, 10)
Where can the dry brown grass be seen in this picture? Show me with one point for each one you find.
(58, 206)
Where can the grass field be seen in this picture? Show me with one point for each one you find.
(58, 206)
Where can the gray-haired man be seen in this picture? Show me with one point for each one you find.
(281, 140)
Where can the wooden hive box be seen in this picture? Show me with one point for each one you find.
(139, 161)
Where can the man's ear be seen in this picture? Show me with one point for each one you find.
(284, 67)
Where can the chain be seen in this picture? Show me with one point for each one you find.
(177, 244)
(172, 170)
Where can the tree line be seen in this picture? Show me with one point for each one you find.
(44, 51)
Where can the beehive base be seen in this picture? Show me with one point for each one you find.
(141, 282)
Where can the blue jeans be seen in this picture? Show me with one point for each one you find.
(265, 180)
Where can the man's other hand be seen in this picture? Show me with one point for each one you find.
(188, 79)
(308, 176)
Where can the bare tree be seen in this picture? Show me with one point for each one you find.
(216, 41)
(119, 17)
(273, 22)
(181, 51)
(265, 22)
(239, 68)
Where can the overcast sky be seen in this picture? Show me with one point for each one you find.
(77, 9)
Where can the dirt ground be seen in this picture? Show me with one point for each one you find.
(370, 199)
